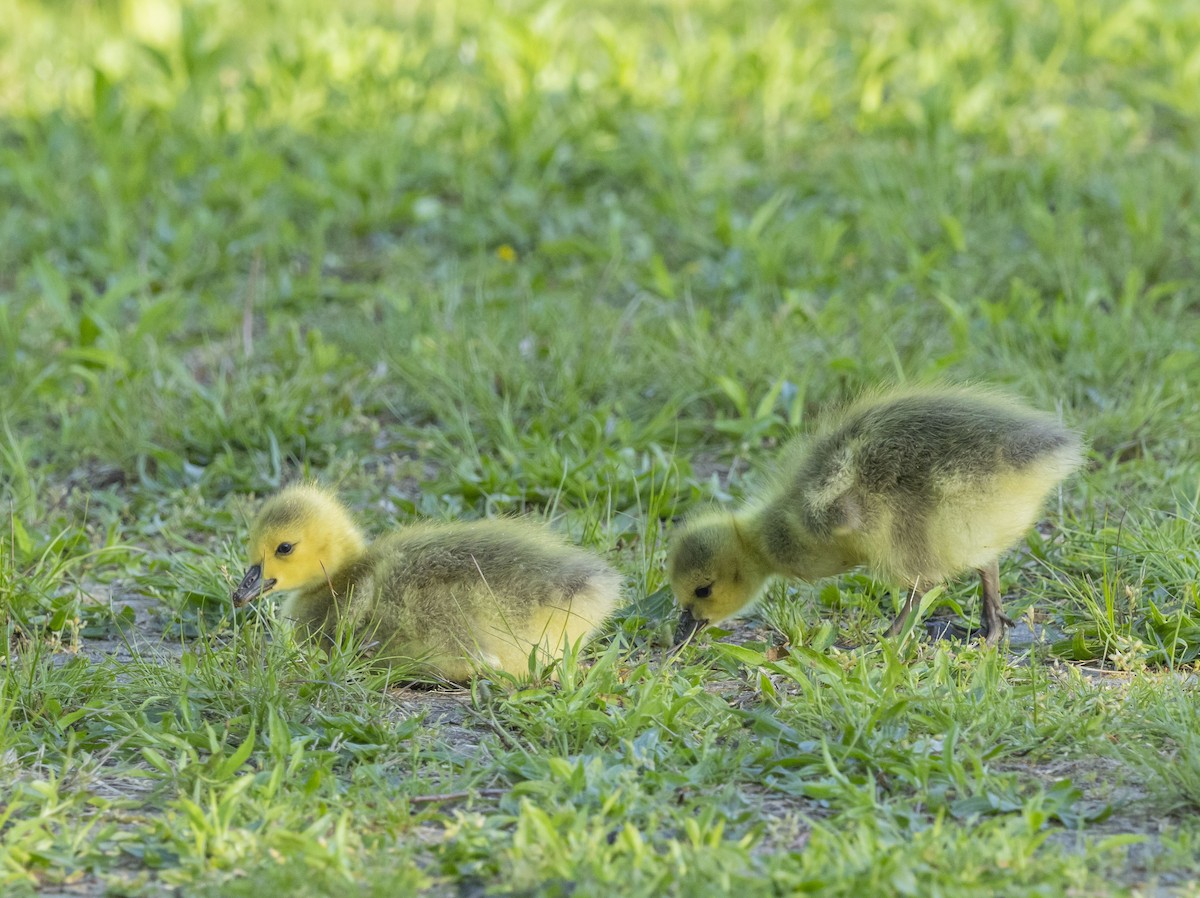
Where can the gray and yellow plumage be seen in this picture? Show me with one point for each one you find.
(451, 597)
(917, 484)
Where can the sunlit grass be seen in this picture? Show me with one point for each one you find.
(594, 264)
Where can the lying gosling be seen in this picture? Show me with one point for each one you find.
(916, 484)
(452, 598)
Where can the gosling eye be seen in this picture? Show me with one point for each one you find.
(703, 592)
(283, 549)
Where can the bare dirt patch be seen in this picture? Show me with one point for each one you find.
(143, 636)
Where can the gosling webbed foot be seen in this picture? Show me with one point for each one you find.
(993, 622)
(897, 624)
(994, 627)
(911, 605)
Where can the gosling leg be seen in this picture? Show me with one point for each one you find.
(992, 621)
(911, 604)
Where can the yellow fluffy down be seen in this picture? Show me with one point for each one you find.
(451, 599)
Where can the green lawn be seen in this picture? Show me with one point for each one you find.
(591, 262)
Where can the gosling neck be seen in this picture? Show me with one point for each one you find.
(752, 530)
(347, 548)
(790, 550)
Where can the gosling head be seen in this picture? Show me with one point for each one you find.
(299, 538)
(715, 572)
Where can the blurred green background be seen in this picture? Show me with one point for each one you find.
(593, 262)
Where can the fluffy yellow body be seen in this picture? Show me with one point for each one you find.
(450, 598)
(918, 485)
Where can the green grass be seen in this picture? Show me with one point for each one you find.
(592, 262)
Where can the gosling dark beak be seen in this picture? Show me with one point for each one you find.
(251, 587)
(688, 627)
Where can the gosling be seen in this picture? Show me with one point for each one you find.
(918, 485)
(449, 598)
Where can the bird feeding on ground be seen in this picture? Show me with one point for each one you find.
(918, 485)
(450, 598)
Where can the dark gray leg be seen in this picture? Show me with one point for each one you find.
(911, 604)
(992, 620)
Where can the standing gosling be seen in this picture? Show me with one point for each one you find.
(450, 597)
(918, 484)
